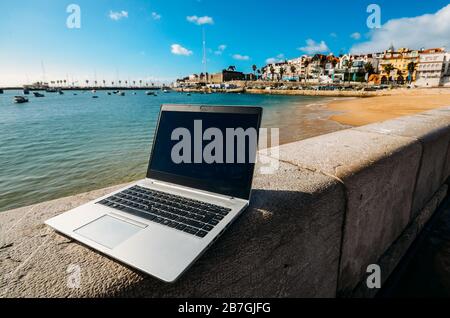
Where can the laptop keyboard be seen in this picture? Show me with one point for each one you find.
(183, 214)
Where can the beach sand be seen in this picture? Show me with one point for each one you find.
(363, 111)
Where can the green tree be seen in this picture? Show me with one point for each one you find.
(388, 68)
(293, 70)
(281, 71)
(306, 64)
(254, 68)
(411, 70)
(272, 72)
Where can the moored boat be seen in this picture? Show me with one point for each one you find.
(20, 99)
(26, 91)
(37, 94)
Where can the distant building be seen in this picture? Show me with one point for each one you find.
(399, 60)
(226, 76)
(433, 68)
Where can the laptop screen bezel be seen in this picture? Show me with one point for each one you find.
(192, 183)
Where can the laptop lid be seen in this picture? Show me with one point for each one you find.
(211, 148)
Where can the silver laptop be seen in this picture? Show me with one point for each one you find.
(198, 182)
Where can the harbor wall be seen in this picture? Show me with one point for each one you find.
(338, 203)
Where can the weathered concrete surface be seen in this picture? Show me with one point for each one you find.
(379, 173)
(286, 244)
(397, 250)
(433, 132)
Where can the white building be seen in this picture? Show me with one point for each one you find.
(433, 69)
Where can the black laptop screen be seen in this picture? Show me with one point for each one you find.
(211, 151)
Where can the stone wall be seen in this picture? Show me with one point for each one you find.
(338, 203)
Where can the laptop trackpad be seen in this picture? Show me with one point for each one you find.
(109, 231)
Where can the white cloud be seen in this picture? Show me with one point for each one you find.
(156, 16)
(200, 20)
(240, 57)
(220, 49)
(278, 59)
(333, 35)
(313, 47)
(116, 16)
(179, 50)
(428, 30)
(355, 36)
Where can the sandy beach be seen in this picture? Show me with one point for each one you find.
(363, 111)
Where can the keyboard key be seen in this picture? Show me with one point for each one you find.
(201, 233)
(181, 226)
(207, 227)
(190, 230)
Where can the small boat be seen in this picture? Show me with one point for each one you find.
(94, 91)
(109, 93)
(134, 93)
(20, 99)
(26, 91)
(188, 94)
(121, 93)
(166, 91)
(1, 91)
(60, 92)
(51, 90)
(37, 94)
(95, 96)
(75, 94)
(151, 93)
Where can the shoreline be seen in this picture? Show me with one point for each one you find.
(364, 111)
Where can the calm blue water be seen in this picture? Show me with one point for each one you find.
(64, 144)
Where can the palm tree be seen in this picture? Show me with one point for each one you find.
(348, 67)
(140, 83)
(388, 68)
(272, 71)
(87, 82)
(411, 69)
(306, 64)
(259, 74)
(368, 67)
(293, 69)
(254, 68)
(201, 76)
(207, 77)
(281, 71)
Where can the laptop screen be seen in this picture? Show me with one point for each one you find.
(212, 150)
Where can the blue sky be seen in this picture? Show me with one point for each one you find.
(137, 39)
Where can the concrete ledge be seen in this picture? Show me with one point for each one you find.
(338, 203)
(394, 254)
(286, 244)
(432, 130)
(379, 173)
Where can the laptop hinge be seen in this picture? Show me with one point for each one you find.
(172, 185)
